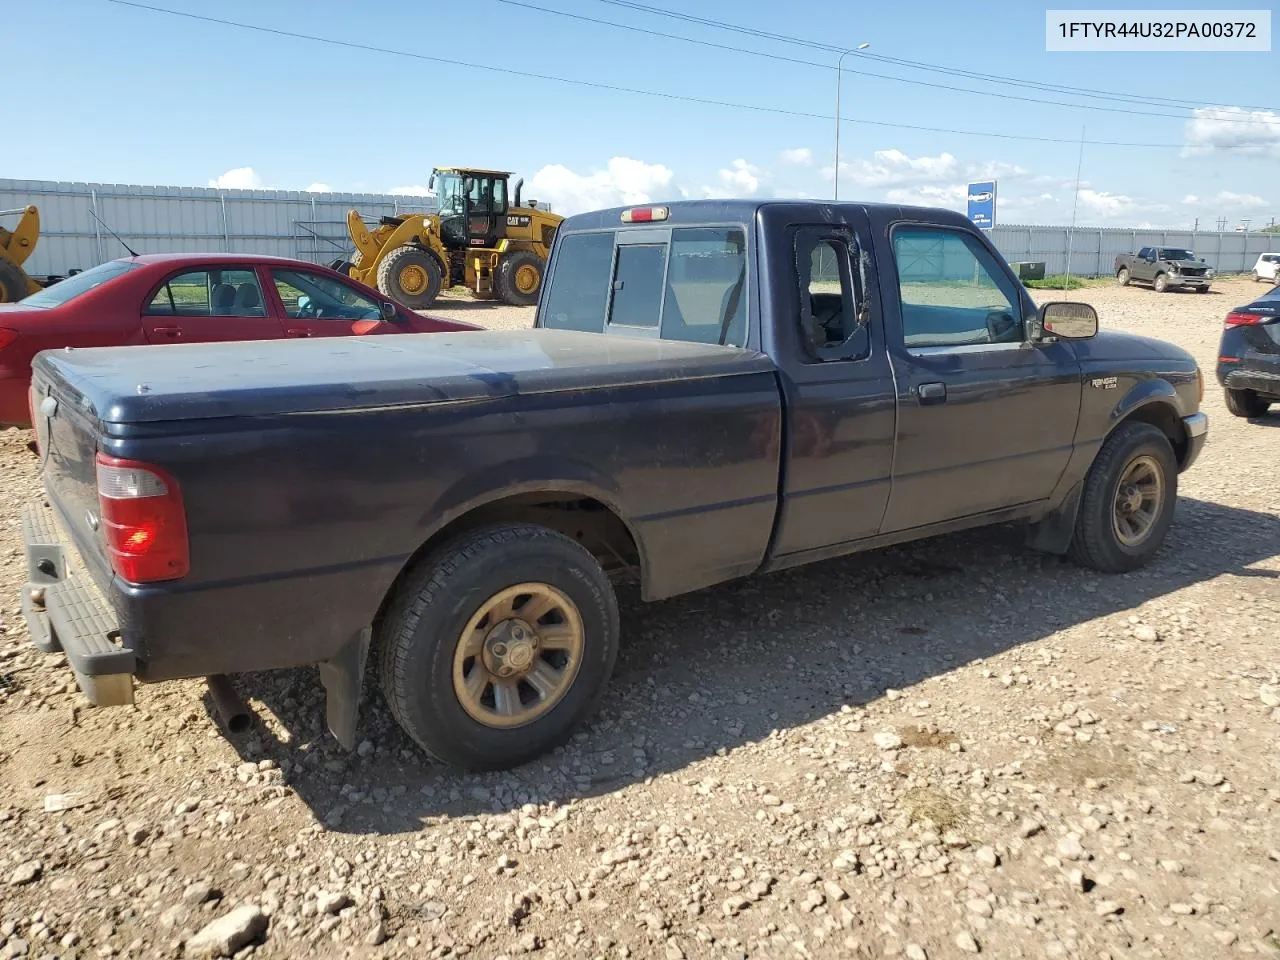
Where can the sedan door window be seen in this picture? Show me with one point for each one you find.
(313, 296)
(209, 293)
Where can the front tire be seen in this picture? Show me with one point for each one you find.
(411, 277)
(1122, 277)
(1160, 283)
(500, 645)
(1202, 289)
(1128, 500)
(1246, 403)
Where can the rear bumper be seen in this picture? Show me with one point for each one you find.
(1235, 376)
(66, 612)
(1197, 427)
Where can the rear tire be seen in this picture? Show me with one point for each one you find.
(410, 276)
(430, 679)
(520, 278)
(13, 282)
(1136, 460)
(1161, 283)
(1122, 277)
(1246, 403)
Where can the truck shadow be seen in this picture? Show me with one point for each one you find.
(731, 665)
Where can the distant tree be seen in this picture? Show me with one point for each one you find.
(1274, 228)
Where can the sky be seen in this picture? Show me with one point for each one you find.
(114, 92)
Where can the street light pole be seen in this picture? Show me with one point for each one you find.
(839, 65)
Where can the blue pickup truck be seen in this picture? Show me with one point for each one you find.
(712, 389)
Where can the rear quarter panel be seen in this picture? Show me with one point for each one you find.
(300, 523)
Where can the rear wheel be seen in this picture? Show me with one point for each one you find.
(1128, 500)
(1122, 276)
(520, 278)
(1161, 283)
(500, 646)
(13, 282)
(1246, 403)
(410, 276)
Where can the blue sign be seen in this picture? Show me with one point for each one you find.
(982, 204)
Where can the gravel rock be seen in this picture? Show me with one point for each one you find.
(888, 740)
(27, 872)
(228, 934)
(965, 941)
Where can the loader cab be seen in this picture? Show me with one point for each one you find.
(473, 206)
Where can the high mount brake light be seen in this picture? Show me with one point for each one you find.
(645, 214)
(143, 520)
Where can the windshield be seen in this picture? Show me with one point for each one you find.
(1176, 253)
(449, 194)
(67, 290)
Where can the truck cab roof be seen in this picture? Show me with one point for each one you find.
(743, 211)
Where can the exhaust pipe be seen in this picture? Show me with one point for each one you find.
(231, 710)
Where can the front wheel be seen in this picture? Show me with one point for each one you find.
(1161, 283)
(500, 646)
(1128, 500)
(411, 277)
(1246, 403)
(1202, 289)
(1122, 277)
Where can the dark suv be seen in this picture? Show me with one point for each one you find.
(1249, 356)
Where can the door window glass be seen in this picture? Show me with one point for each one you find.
(952, 292)
(310, 296)
(209, 293)
(578, 295)
(706, 296)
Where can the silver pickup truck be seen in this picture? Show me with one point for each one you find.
(1165, 268)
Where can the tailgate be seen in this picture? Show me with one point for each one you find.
(68, 439)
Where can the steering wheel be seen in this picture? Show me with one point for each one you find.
(307, 308)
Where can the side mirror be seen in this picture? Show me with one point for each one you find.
(1069, 320)
(389, 311)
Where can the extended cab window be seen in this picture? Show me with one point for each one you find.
(579, 290)
(833, 310)
(953, 292)
(209, 293)
(691, 280)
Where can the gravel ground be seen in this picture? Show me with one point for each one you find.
(938, 750)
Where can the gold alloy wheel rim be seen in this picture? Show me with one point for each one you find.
(1139, 500)
(518, 655)
(413, 279)
(527, 278)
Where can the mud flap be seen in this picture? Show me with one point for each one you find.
(343, 677)
(1053, 534)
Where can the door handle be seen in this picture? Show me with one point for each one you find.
(298, 332)
(932, 392)
(167, 331)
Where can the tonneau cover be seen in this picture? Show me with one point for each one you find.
(145, 384)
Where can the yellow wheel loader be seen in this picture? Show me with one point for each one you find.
(477, 239)
(16, 246)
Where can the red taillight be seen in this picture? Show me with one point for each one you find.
(143, 519)
(7, 337)
(1237, 318)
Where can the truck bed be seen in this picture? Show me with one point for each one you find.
(272, 377)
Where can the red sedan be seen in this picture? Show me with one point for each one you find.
(186, 297)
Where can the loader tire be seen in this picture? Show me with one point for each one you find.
(13, 282)
(520, 278)
(411, 277)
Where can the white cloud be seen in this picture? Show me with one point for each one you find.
(1233, 130)
(996, 170)
(952, 196)
(623, 181)
(1107, 204)
(888, 168)
(799, 156)
(238, 178)
(1226, 198)
(742, 179)
(413, 190)
(319, 188)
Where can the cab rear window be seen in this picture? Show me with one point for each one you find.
(683, 283)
